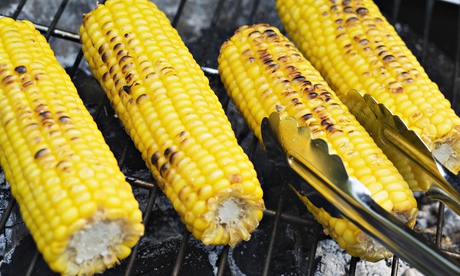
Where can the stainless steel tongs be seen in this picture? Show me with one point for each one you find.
(324, 180)
(405, 149)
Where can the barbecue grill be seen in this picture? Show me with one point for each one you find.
(288, 240)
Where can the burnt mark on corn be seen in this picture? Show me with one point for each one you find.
(326, 122)
(306, 116)
(141, 98)
(312, 95)
(271, 34)
(64, 119)
(118, 47)
(127, 88)
(129, 77)
(27, 83)
(155, 157)
(168, 151)
(45, 114)
(389, 58)
(173, 157)
(8, 79)
(40, 153)
(105, 56)
(327, 96)
(362, 11)
(352, 20)
(348, 9)
(164, 168)
(105, 76)
(20, 69)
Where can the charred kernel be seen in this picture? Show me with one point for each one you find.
(155, 157)
(168, 151)
(8, 79)
(364, 42)
(389, 58)
(45, 114)
(173, 157)
(326, 122)
(64, 119)
(334, 7)
(141, 98)
(123, 59)
(270, 33)
(164, 167)
(122, 52)
(125, 68)
(20, 69)
(339, 21)
(101, 49)
(306, 116)
(247, 52)
(409, 80)
(348, 9)
(299, 79)
(27, 83)
(362, 11)
(117, 47)
(105, 76)
(352, 20)
(129, 77)
(105, 56)
(254, 34)
(312, 95)
(41, 153)
(326, 96)
(346, 2)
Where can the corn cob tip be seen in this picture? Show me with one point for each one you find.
(447, 150)
(233, 218)
(98, 245)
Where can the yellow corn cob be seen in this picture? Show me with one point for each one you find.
(354, 47)
(168, 108)
(263, 73)
(72, 196)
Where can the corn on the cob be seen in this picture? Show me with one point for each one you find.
(72, 196)
(354, 47)
(263, 72)
(167, 106)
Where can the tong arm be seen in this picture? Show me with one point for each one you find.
(353, 200)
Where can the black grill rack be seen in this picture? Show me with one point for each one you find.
(287, 239)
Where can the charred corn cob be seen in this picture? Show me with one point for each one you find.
(354, 47)
(72, 196)
(263, 72)
(168, 108)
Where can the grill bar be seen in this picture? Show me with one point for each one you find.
(426, 29)
(276, 217)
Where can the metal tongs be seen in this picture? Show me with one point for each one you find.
(405, 149)
(322, 178)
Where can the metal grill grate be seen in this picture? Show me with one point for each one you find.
(286, 241)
